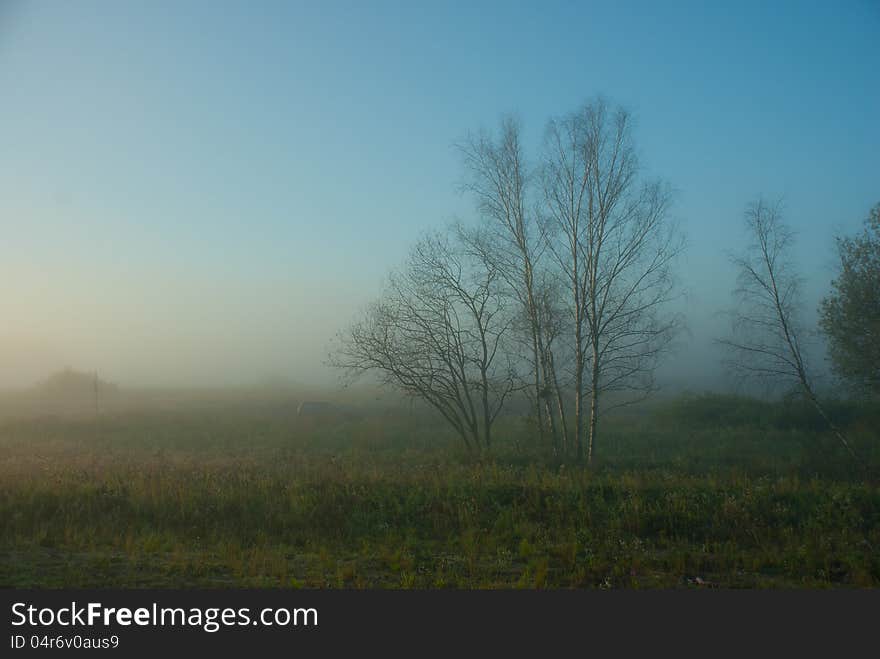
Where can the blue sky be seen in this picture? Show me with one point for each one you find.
(197, 192)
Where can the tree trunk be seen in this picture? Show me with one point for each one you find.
(551, 420)
(487, 415)
(560, 404)
(594, 405)
(579, 406)
(833, 426)
(539, 415)
(544, 394)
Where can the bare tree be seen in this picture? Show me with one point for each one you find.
(499, 179)
(614, 246)
(439, 333)
(767, 337)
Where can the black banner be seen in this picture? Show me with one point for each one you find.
(146, 622)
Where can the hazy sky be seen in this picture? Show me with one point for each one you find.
(204, 192)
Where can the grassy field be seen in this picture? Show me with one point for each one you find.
(695, 493)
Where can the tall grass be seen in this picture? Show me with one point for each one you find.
(248, 497)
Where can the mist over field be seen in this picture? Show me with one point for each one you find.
(212, 211)
(385, 295)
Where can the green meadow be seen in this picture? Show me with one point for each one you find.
(693, 492)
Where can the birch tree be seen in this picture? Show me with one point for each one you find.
(615, 246)
(767, 341)
(500, 181)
